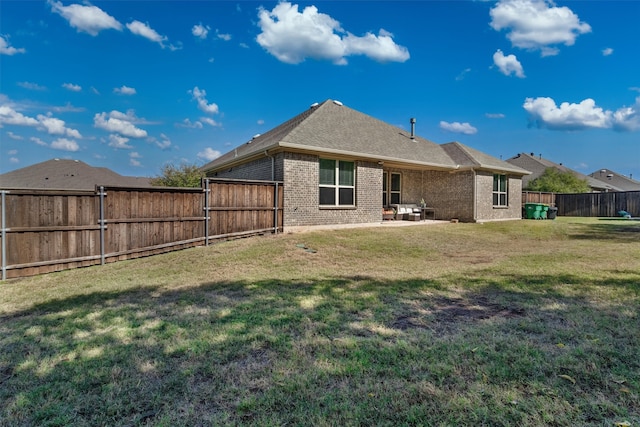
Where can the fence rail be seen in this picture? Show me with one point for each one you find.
(51, 230)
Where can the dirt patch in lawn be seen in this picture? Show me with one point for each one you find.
(447, 314)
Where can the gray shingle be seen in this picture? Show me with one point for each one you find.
(67, 175)
(333, 128)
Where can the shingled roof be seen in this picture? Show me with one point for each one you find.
(334, 129)
(615, 179)
(537, 165)
(67, 175)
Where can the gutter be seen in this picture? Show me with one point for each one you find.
(364, 156)
(273, 164)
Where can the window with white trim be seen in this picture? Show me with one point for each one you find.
(337, 183)
(500, 190)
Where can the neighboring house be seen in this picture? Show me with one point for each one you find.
(340, 166)
(537, 165)
(62, 174)
(615, 179)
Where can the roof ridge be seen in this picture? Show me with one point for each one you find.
(466, 152)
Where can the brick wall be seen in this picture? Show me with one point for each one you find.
(259, 169)
(451, 194)
(486, 211)
(301, 194)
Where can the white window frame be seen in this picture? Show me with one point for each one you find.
(500, 197)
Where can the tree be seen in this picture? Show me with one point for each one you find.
(555, 181)
(185, 175)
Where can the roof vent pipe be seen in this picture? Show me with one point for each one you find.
(412, 120)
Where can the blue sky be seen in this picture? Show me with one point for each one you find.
(133, 85)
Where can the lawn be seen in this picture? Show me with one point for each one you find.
(527, 323)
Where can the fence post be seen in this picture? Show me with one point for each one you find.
(4, 236)
(275, 209)
(205, 184)
(102, 226)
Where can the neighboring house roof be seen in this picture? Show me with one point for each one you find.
(67, 175)
(615, 179)
(334, 129)
(537, 166)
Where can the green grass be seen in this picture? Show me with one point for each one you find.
(524, 323)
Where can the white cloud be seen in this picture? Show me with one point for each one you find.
(164, 143)
(380, 48)
(129, 116)
(463, 74)
(606, 52)
(142, 29)
(494, 115)
(200, 96)
(116, 122)
(12, 152)
(293, 36)
(200, 31)
(222, 36)
(537, 24)
(508, 64)
(31, 86)
(585, 115)
(67, 108)
(133, 159)
(88, 19)
(10, 116)
(209, 154)
(186, 123)
(15, 137)
(55, 126)
(458, 127)
(14, 160)
(65, 144)
(209, 121)
(72, 87)
(125, 90)
(260, 122)
(7, 49)
(38, 141)
(118, 141)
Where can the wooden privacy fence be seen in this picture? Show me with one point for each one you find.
(538, 197)
(52, 230)
(599, 204)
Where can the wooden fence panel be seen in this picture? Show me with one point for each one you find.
(53, 230)
(46, 231)
(598, 204)
(149, 221)
(538, 197)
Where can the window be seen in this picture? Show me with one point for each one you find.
(391, 188)
(395, 188)
(337, 183)
(500, 190)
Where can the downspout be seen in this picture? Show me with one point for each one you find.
(275, 202)
(273, 165)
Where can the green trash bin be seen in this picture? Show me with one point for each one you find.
(543, 212)
(532, 210)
